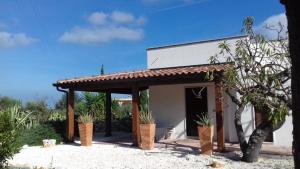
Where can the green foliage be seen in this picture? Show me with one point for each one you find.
(260, 73)
(58, 115)
(122, 114)
(102, 70)
(144, 100)
(6, 102)
(61, 104)
(34, 136)
(12, 120)
(204, 120)
(146, 118)
(85, 118)
(39, 109)
(122, 111)
(92, 103)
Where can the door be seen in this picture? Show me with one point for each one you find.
(196, 104)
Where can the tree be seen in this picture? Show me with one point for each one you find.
(260, 76)
(61, 104)
(102, 70)
(293, 18)
(39, 109)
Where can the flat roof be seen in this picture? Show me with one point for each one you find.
(196, 42)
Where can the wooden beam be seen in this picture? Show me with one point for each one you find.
(108, 114)
(220, 116)
(70, 116)
(135, 116)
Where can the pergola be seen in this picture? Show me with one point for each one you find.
(135, 81)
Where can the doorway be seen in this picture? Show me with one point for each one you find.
(196, 105)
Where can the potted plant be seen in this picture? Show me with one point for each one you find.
(147, 130)
(205, 133)
(85, 125)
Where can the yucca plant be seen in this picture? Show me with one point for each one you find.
(85, 118)
(12, 121)
(146, 118)
(204, 120)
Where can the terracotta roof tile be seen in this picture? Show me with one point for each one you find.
(149, 73)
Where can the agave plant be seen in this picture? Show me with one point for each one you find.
(146, 118)
(204, 120)
(85, 118)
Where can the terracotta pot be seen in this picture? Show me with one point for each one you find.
(86, 133)
(206, 139)
(147, 136)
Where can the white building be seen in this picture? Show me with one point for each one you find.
(169, 103)
(177, 91)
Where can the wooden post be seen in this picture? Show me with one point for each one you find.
(220, 116)
(135, 116)
(70, 120)
(108, 114)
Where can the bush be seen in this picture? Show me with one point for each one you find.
(35, 136)
(11, 122)
(57, 115)
(124, 117)
(59, 127)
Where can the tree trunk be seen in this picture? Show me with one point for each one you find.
(239, 127)
(251, 152)
(252, 148)
(293, 17)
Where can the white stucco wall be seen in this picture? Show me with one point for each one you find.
(183, 55)
(284, 136)
(167, 104)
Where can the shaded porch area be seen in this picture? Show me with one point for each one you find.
(133, 82)
(191, 146)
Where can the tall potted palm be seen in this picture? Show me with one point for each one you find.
(147, 130)
(85, 125)
(205, 133)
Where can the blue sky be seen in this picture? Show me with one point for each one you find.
(43, 41)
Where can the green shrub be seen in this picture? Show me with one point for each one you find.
(57, 115)
(12, 120)
(35, 136)
(122, 111)
(39, 109)
(60, 127)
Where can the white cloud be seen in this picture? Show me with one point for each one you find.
(97, 18)
(273, 23)
(122, 17)
(9, 40)
(100, 35)
(106, 27)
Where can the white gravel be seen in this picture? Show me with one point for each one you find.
(109, 156)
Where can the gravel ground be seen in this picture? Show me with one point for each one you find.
(109, 156)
